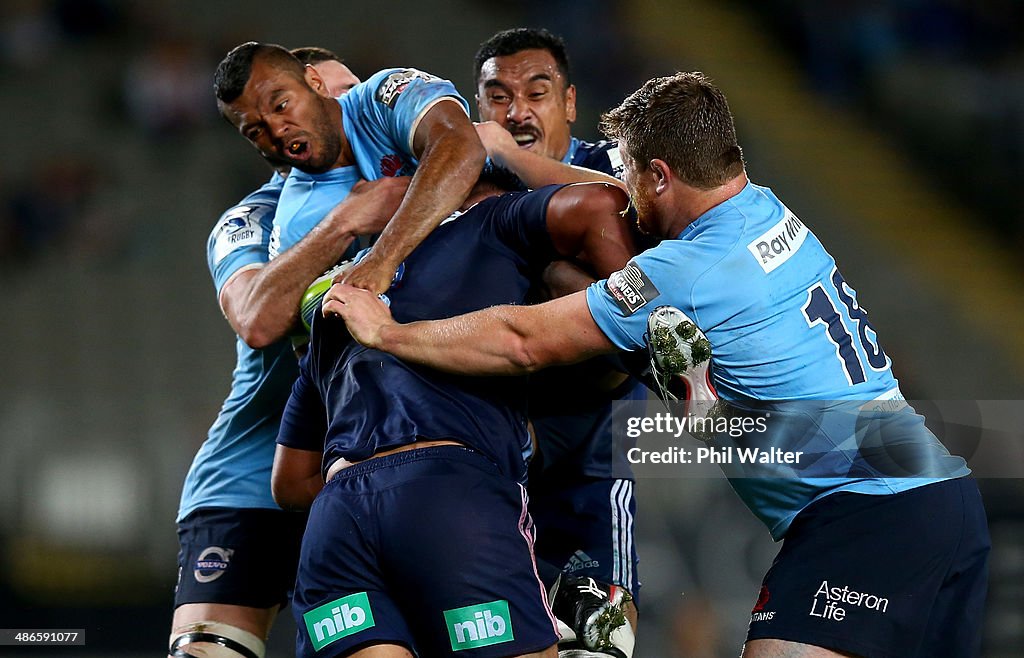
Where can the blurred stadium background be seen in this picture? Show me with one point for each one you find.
(895, 129)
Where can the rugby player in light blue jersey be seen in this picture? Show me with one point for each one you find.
(289, 112)
(878, 558)
(381, 117)
(238, 549)
(407, 118)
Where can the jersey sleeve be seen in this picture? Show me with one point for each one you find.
(398, 99)
(621, 304)
(241, 237)
(521, 224)
(304, 422)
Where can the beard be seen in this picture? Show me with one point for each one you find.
(327, 138)
(644, 212)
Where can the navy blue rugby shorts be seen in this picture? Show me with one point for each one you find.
(882, 576)
(244, 557)
(431, 549)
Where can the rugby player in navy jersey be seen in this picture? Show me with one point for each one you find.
(527, 105)
(420, 543)
(238, 549)
(583, 513)
(885, 543)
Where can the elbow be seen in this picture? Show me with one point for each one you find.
(288, 493)
(279, 488)
(472, 153)
(292, 504)
(256, 334)
(474, 159)
(520, 347)
(479, 154)
(255, 338)
(289, 503)
(295, 478)
(460, 153)
(524, 359)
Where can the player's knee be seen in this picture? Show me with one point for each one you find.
(212, 639)
(771, 648)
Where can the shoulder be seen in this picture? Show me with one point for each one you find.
(388, 84)
(247, 222)
(252, 208)
(600, 146)
(589, 197)
(601, 156)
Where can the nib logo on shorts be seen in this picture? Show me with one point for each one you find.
(479, 625)
(338, 619)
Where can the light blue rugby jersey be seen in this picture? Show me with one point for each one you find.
(305, 200)
(232, 467)
(380, 117)
(784, 327)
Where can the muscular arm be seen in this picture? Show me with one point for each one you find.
(451, 158)
(564, 277)
(583, 221)
(533, 169)
(296, 480)
(501, 340)
(586, 223)
(262, 304)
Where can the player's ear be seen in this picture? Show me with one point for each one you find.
(314, 80)
(662, 174)
(570, 103)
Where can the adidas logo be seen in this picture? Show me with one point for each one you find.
(580, 560)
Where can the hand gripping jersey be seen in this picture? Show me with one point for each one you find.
(232, 467)
(789, 339)
(380, 117)
(365, 401)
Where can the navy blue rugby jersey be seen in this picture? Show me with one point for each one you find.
(600, 156)
(571, 415)
(354, 402)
